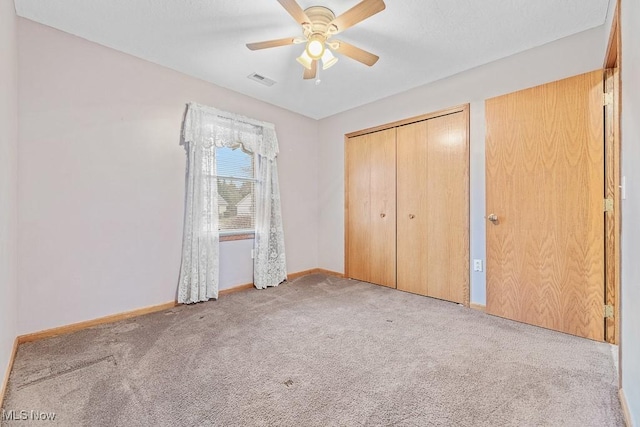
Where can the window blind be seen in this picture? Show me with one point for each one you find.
(235, 178)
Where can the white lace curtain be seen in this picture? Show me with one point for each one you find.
(204, 130)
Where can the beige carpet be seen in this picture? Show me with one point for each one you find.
(319, 351)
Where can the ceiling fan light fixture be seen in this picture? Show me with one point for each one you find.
(315, 46)
(328, 60)
(305, 60)
(319, 24)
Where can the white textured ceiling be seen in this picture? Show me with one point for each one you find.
(418, 41)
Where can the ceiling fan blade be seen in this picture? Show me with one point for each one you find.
(311, 74)
(356, 53)
(358, 13)
(295, 11)
(271, 43)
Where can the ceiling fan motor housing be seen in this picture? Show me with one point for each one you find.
(320, 18)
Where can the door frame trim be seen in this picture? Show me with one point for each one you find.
(420, 118)
(613, 61)
(611, 142)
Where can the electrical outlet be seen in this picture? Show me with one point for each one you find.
(477, 265)
(253, 254)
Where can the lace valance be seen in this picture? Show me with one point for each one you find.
(208, 127)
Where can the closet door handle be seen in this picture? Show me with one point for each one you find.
(411, 216)
(382, 215)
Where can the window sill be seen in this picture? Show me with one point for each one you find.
(239, 236)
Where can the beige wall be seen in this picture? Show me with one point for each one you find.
(630, 340)
(101, 176)
(567, 57)
(8, 182)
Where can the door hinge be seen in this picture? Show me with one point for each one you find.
(608, 312)
(608, 205)
(608, 98)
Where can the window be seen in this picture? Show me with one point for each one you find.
(236, 191)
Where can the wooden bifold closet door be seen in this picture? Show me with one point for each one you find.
(371, 207)
(433, 208)
(407, 205)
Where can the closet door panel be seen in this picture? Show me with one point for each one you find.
(412, 188)
(358, 215)
(382, 250)
(447, 208)
(407, 205)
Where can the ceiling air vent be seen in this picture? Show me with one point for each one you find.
(261, 79)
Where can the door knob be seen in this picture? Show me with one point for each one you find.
(493, 218)
(382, 215)
(411, 216)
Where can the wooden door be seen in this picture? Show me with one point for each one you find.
(371, 207)
(433, 207)
(358, 207)
(545, 179)
(413, 241)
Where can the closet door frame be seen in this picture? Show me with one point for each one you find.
(464, 108)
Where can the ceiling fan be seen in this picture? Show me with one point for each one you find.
(319, 25)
